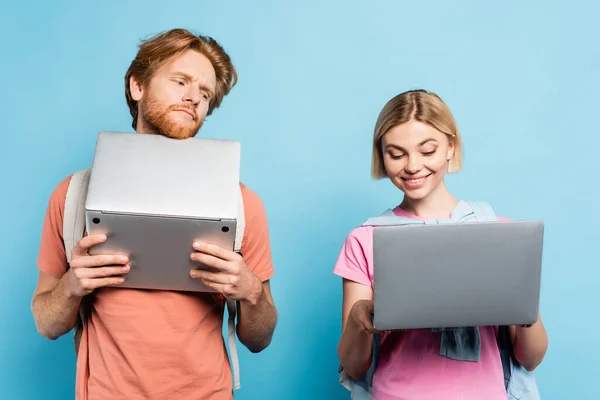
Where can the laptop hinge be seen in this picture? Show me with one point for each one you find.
(158, 215)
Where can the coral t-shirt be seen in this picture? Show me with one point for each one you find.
(150, 344)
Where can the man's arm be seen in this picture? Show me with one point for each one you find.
(56, 301)
(54, 310)
(257, 319)
(529, 344)
(234, 280)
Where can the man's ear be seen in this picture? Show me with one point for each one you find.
(136, 89)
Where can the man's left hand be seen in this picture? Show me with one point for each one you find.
(230, 277)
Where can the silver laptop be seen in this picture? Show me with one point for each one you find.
(457, 275)
(154, 196)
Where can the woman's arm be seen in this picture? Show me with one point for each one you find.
(529, 344)
(355, 348)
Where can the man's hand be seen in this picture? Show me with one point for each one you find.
(56, 301)
(231, 276)
(87, 272)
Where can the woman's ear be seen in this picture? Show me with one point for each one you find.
(450, 152)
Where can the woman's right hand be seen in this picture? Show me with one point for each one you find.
(361, 316)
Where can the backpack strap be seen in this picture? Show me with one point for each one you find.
(240, 224)
(235, 363)
(505, 348)
(74, 229)
(74, 211)
(232, 305)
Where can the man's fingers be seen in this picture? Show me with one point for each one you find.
(99, 261)
(102, 272)
(212, 277)
(87, 242)
(91, 284)
(212, 261)
(224, 289)
(215, 251)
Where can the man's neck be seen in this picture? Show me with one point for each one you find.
(141, 127)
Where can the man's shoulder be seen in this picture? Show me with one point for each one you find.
(246, 189)
(251, 199)
(59, 194)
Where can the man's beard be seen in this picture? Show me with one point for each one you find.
(156, 118)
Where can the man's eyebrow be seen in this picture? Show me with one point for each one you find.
(189, 78)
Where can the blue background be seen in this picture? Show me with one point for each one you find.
(521, 78)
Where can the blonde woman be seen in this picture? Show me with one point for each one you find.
(416, 142)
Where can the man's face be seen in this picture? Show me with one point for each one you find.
(175, 101)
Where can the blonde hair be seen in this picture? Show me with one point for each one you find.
(160, 49)
(415, 105)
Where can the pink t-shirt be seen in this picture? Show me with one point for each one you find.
(410, 366)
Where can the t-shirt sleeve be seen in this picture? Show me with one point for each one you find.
(256, 246)
(51, 257)
(356, 257)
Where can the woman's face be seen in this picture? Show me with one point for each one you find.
(416, 158)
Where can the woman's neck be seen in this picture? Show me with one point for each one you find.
(439, 204)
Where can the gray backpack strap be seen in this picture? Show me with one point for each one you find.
(74, 212)
(240, 224)
(235, 363)
(232, 305)
(73, 231)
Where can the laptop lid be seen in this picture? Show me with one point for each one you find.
(455, 275)
(147, 174)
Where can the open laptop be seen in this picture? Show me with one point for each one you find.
(154, 196)
(457, 275)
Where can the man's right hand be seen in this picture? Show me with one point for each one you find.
(87, 272)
